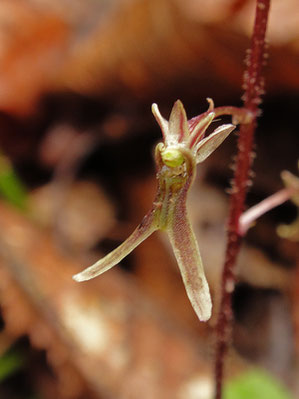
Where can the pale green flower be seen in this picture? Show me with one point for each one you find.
(183, 147)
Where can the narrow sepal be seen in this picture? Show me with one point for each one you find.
(188, 257)
(144, 230)
(213, 141)
(178, 124)
(163, 123)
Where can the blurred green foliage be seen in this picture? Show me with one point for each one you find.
(11, 187)
(10, 362)
(255, 384)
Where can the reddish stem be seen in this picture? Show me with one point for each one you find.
(254, 88)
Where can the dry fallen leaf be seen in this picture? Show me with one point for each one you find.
(137, 48)
(80, 213)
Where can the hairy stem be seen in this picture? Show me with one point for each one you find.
(254, 88)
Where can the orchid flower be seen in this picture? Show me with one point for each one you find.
(183, 147)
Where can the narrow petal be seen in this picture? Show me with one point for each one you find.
(144, 230)
(163, 123)
(210, 143)
(188, 257)
(198, 128)
(194, 121)
(178, 124)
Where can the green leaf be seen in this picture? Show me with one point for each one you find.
(255, 384)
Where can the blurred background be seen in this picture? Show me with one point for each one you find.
(77, 80)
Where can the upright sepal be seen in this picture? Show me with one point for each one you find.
(163, 123)
(178, 125)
